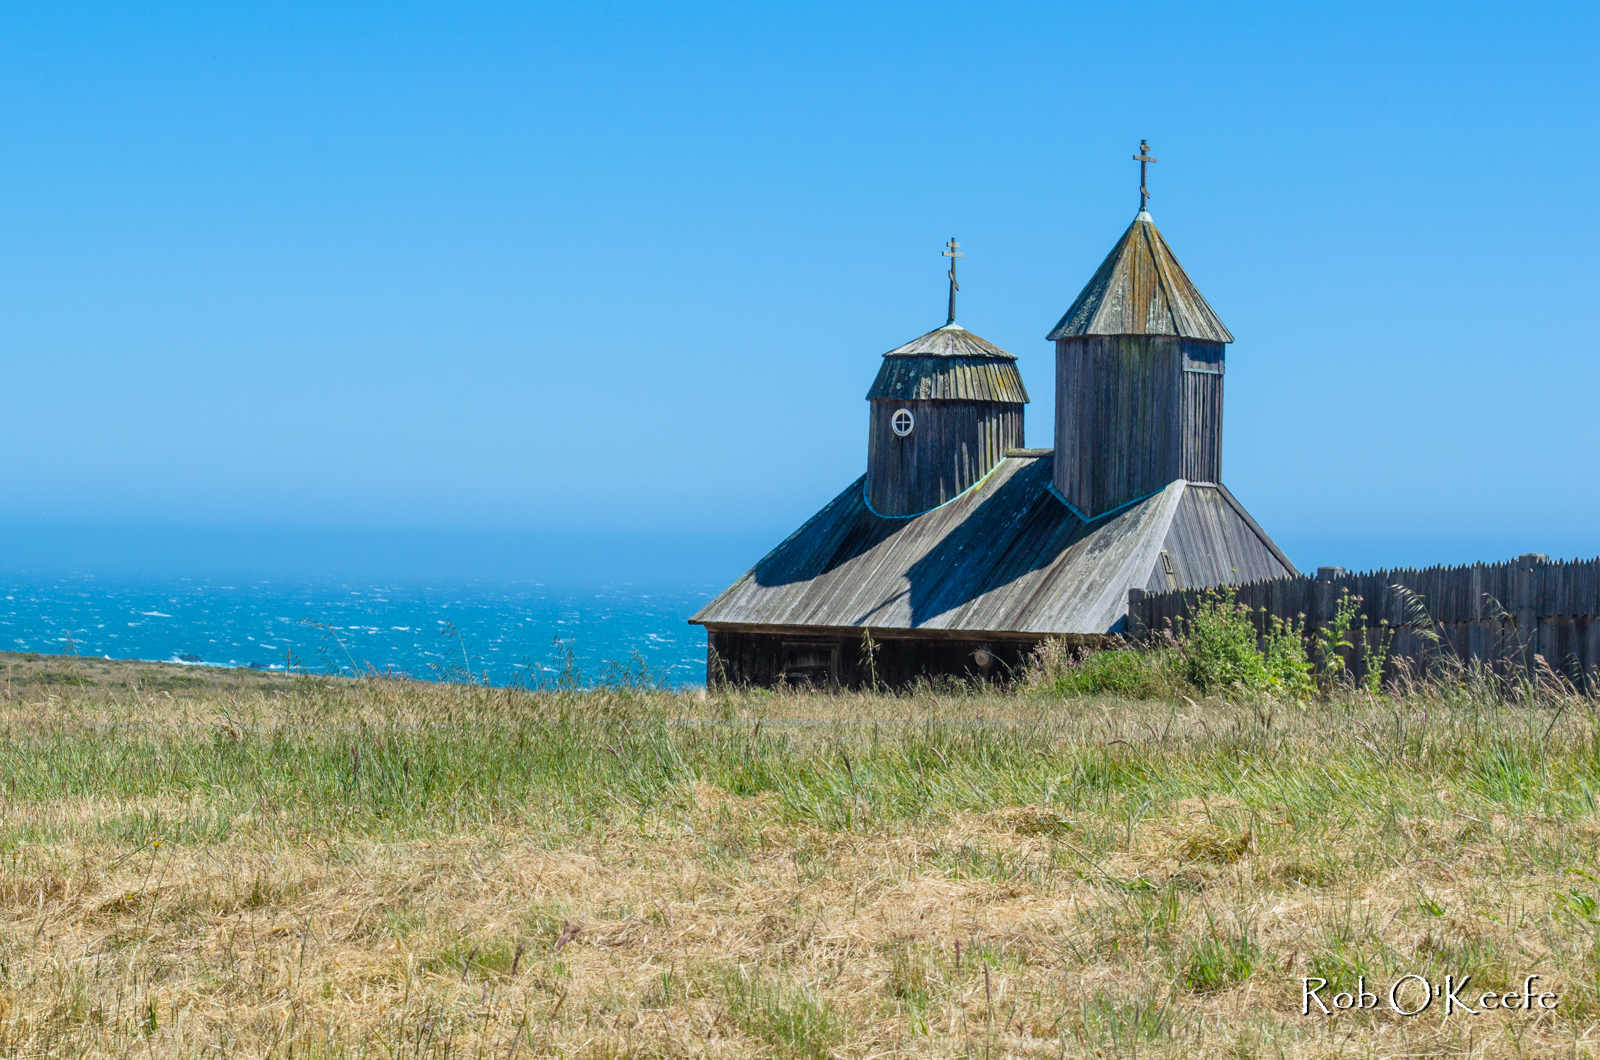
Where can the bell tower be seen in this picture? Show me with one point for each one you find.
(945, 408)
(1139, 369)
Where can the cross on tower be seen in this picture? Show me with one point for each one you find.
(1144, 158)
(953, 253)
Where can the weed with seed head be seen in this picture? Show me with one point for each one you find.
(911, 980)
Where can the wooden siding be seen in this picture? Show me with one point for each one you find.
(1201, 430)
(1510, 614)
(735, 657)
(1008, 558)
(1140, 289)
(948, 379)
(1119, 419)
(952, 445)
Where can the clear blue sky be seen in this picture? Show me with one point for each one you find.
(591, 276)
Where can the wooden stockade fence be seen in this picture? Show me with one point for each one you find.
(1502, 614)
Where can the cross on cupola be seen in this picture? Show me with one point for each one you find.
(1144, 158)
(953, 253)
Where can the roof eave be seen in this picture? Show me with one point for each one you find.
(1194, 335)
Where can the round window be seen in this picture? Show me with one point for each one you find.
(902, 422)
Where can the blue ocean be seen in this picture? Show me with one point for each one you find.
(506, 633)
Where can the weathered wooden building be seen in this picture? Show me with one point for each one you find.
(959, 550)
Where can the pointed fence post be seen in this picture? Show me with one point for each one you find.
(1138, 620)
(1325, 595)
(1324, 601)
(1525, 605)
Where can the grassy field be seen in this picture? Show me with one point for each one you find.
(235, 864)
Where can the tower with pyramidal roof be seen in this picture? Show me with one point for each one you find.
(959, 550)
(1139, 359)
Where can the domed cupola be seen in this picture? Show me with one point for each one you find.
(945, 408)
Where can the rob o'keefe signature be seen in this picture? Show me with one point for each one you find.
(1412, 995)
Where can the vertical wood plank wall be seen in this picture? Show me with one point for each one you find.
(1501, 614)
(738, 657)
(1202, 411)
(1118, 418)
(952, 445)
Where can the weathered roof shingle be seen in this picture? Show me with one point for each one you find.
(1140, 289)
(949, 364)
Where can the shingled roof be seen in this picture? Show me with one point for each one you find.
(949, 364)
(1007, 556)
(952, 340)
(1140, 289)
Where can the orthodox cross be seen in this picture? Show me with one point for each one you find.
(1144, 158)
(953, 253)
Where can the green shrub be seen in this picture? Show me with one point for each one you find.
(1214, 652)
(1218, 644)
(1219, 651)
(1131, 673)
(1121, 672)
(1288, 667)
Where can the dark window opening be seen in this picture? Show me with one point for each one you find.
(813, 663)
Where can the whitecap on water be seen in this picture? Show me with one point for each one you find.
(506, 628)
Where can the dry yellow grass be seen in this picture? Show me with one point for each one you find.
(391, 869)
